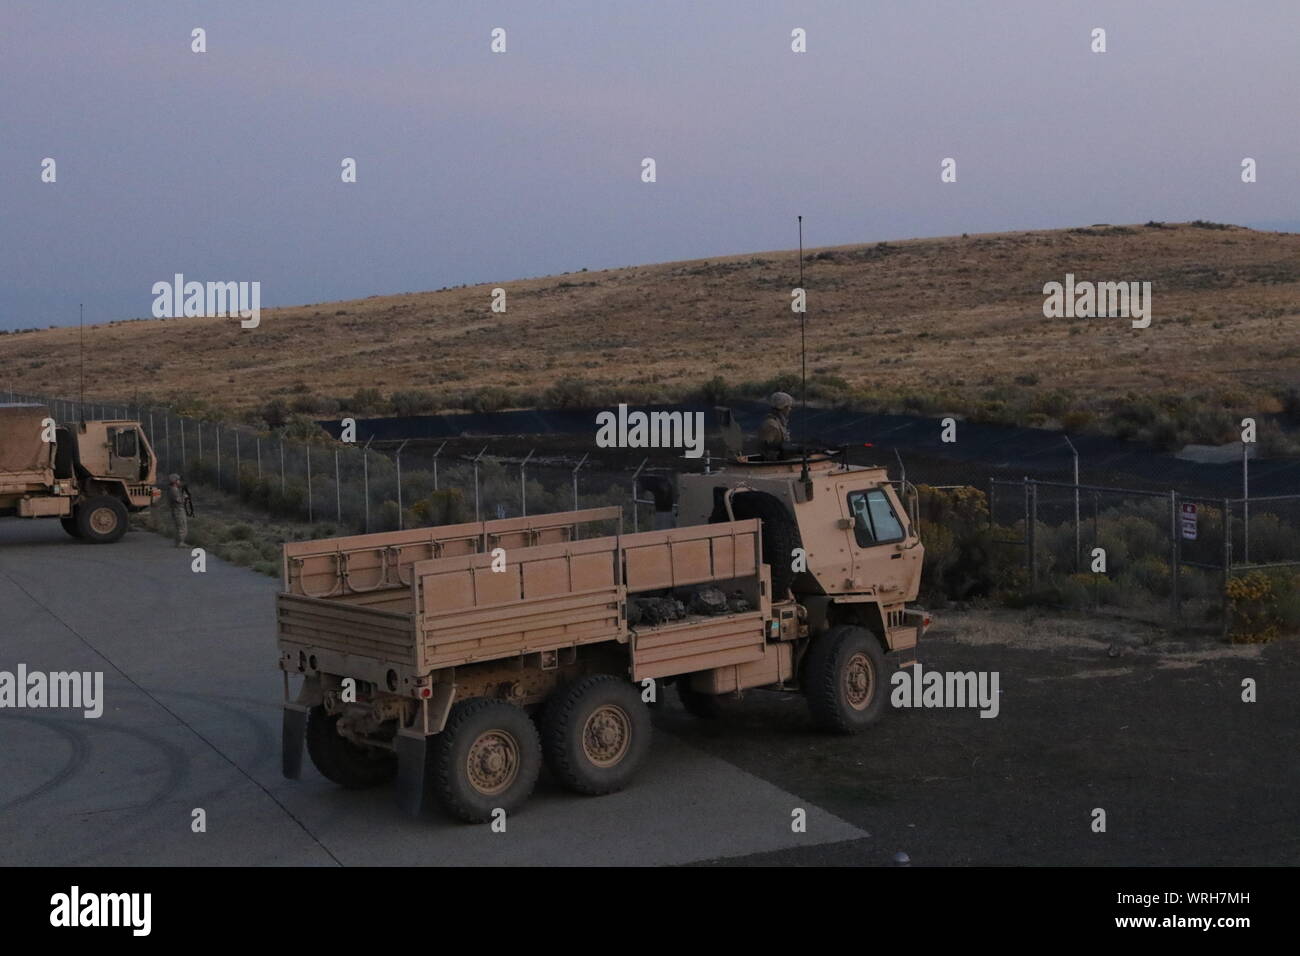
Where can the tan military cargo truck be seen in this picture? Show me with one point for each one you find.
(459, 659)
(89, 475)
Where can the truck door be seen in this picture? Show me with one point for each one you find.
(123, 454)
(880, 535)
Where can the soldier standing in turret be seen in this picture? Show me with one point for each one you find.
(774, 433)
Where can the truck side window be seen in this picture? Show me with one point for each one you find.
(126, 443)
(874, 521)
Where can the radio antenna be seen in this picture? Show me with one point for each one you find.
(81, 399)
(803, 349)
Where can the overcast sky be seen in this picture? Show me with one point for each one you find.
(475, 167)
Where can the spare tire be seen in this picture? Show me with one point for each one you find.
(780, 534)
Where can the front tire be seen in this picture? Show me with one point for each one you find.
(486, 758)
(101, 520)
(341, 761)
(596, 733)
(844, 679)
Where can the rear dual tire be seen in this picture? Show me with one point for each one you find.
(341, 761)
(486, 759)
(596, 734)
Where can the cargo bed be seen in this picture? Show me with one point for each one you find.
(377, 608)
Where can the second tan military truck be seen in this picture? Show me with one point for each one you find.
(90, 475)
(460, 658)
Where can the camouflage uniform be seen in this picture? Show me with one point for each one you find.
(176, 505)
(774, 433)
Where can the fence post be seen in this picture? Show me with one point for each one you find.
(281, 467)
(523, 488)
(435, 464)
(365, 481)
(575, 480)
(1078, 546)
(1227, 561)
(1096, 543)
(181, 422)
(1174, 556)
(477, 514)
(1245, 504)
(399, 485)
(1033, 535)
(636, 518)
(167, 438)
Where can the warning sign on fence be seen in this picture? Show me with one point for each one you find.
(1189, 521)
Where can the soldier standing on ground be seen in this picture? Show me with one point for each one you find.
(774, 433)
(175, 495)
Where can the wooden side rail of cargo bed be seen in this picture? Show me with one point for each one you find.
(696, 554)
(358, 564)
(565, 595)
(556, 595)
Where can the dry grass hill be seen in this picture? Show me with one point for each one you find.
(923, 325)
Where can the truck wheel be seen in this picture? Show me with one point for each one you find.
(779, 535)
(844, 679)
(595, 734)
(341, 761)
(70, 526)
(101, 520)
(486, 758)
(697, 703)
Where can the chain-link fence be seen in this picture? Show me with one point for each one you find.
(355, 486)
(1166, 558)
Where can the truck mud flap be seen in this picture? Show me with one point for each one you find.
(412, 772)
(293, 728)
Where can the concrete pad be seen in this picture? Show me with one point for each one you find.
(192, 720)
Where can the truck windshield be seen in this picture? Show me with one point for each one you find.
(874, 521)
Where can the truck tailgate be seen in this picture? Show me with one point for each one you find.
(371, 632)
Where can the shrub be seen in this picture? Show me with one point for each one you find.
(442, 507)
(490, 398)
(275, 412)
(1263, 605)
(366, 400)
(714, 391)
(963, 558)
(570, 392)
(411, 402)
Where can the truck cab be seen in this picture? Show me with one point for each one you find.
(90, 475)
(838, 539)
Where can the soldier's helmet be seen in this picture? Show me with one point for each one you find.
(780, 400)
(173, 477)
